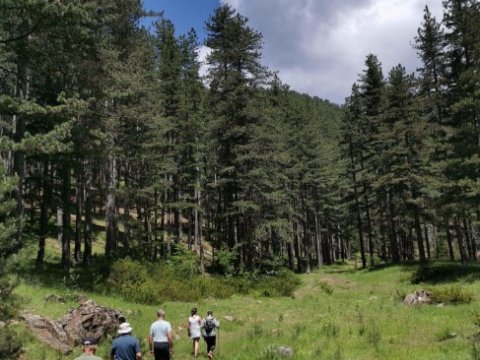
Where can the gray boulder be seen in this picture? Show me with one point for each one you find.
(421, 297)
(88, 319)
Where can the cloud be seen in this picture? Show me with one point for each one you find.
(319, 46)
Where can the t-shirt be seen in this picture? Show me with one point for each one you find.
(159, 330)
(125, 347)
(88, 357)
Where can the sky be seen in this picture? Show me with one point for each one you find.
(318, 46)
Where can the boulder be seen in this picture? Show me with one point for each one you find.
(88, 319)
(229, 318)
(49, 332)
(421, 297)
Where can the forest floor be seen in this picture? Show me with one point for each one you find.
(336, 313)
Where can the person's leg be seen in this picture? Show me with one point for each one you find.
(196, 344)
(210, 340)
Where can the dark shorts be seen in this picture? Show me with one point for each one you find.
(161, 350)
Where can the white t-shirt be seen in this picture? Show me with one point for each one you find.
(194, 326)
(159, 331)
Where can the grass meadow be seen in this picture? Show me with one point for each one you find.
(336, 313)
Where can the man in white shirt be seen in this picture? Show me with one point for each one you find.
(160, 340)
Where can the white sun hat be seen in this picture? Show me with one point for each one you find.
(124, 328)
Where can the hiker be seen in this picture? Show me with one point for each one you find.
(89, 349)
(193, 327)
(160, 340)
(209, 326)
(126, 346)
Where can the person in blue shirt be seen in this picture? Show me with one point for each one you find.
(126, 346)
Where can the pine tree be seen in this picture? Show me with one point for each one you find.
(235, 72)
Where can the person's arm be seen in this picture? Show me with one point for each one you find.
(170, 340)
(150, 344)
(112, 353)
(188, 328)
(150, 340)
(138, 351)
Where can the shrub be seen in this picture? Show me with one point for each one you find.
(451, 295)
(154, 283)
(10, 344)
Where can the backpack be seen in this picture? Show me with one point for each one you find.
(209, 325)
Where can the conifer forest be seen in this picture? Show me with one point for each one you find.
(101, 117)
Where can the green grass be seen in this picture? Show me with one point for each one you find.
(337, 313)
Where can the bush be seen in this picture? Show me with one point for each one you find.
(451, 295)
(10, 344)
(155, 283)
(283, 284)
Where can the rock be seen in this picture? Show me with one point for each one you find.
(49, 332)
(88, 319)
(229, 318)
(55, 298)
(441, 305)
(285, 351)
(2, 324)
(421, 297)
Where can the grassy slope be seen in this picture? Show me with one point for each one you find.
(362, 318)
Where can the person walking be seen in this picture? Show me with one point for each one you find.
(126, 346)
(209, 328)
(89, 349)
(193, 327)
(160, 340)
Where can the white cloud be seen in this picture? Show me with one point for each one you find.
(319, 46)
(203, 52)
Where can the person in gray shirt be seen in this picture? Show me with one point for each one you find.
(209, 328)
(160, 340)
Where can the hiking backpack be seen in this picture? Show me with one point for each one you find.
(209, 325)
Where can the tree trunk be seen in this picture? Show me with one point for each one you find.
(473, 240)
(45, 203)
(318, 241)
(449, 240)
(418, 234)
(66, 228)
(461, 248)
(78, 214)
(427, 240)
(111, 215)
(393, 233)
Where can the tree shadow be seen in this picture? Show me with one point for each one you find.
(444, 272)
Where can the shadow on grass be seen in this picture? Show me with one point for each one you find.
(443, 272)
(79, 277)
